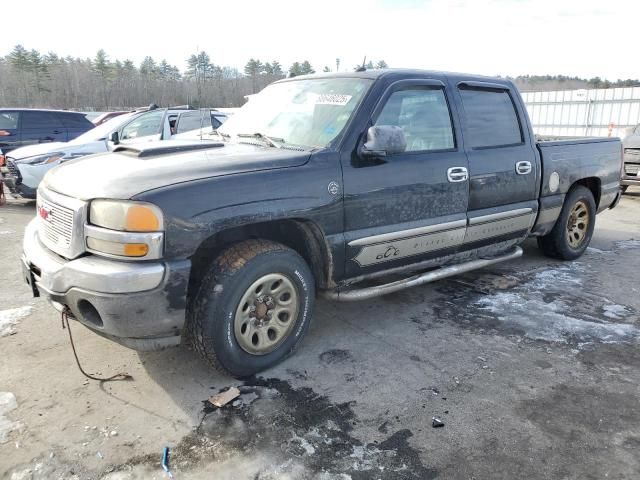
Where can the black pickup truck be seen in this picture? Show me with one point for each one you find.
(317, 184)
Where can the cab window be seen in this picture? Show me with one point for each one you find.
(423, 115)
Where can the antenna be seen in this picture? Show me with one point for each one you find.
(362, 68)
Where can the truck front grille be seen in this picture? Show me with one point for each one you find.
(56, 224)
(61, 222)
(631, 169)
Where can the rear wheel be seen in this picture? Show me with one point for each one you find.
(253, 307)
(573, 230)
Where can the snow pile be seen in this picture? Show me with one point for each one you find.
(7, 404)
(9, 318)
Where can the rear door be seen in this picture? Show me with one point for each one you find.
(9, 130)
(41, 127)
(411, 206)
(76, 123)
(503, 165)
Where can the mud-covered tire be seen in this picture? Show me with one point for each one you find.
(556, 243)
(212, 314)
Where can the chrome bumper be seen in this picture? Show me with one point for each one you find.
(138, 304)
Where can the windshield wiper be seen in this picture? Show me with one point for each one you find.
(271, 141)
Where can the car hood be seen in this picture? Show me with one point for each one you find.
(124, 174)
(33, 150)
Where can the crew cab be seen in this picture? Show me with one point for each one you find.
(320, 185)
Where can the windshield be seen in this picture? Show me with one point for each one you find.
(102, 131)
(309, 113)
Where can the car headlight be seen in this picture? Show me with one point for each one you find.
(126, 216)
(43, 159)
(125, 229)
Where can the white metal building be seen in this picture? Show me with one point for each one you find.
(599, 112)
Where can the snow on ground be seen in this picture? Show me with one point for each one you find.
(7, 404)
(9, 318)
(543, 309)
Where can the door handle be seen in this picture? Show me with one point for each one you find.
(523, 168)
(457, 174)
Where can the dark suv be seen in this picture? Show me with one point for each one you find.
(20, 127)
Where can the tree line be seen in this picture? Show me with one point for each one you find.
(29, 78)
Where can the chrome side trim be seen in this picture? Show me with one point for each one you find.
(420, 279)
(409, 247)
(155, 240)
(388, 237)
(496, 228)
(499, 216)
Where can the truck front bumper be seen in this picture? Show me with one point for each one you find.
(138, 304)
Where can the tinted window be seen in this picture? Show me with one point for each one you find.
(32, 119)
(75, 120)
(423, 114)
(9, 120)
(491, 117)
(193, 121)
(145, 125)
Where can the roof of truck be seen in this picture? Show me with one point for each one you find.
(400, 73)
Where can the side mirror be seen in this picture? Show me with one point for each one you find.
(383, 140)
(115, 138)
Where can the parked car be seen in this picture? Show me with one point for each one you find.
(20, 127)
(631, 172)
(103, 117)
(316, 185)
(27, 166)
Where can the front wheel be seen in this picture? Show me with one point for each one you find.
(253, 307)
(573, 230)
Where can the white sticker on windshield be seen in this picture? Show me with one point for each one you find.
(332, 99)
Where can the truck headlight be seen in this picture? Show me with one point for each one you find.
(126, 216)
(125, 229)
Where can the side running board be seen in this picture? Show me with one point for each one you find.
(354, 294)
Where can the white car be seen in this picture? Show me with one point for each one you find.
(26, 166)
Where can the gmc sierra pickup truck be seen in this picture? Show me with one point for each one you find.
(319, 183)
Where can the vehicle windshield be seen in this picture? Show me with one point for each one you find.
(102, 131)
(308, 113)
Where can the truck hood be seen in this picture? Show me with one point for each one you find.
(37, 149)
(124, 174)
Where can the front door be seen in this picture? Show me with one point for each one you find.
(411, 206)
(503, 165)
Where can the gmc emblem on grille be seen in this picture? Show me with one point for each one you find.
(44, 213)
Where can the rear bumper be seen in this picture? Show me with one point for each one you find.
(138, 304)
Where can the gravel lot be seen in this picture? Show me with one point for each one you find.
(533, 366)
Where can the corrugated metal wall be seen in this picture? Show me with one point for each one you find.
(600, 112)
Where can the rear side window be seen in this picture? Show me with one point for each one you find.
(75, 120)
(36, 119)
(491, 117)
(193, 121)
(9, 120)
(423, 115)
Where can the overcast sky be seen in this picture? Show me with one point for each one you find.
(586, 38)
